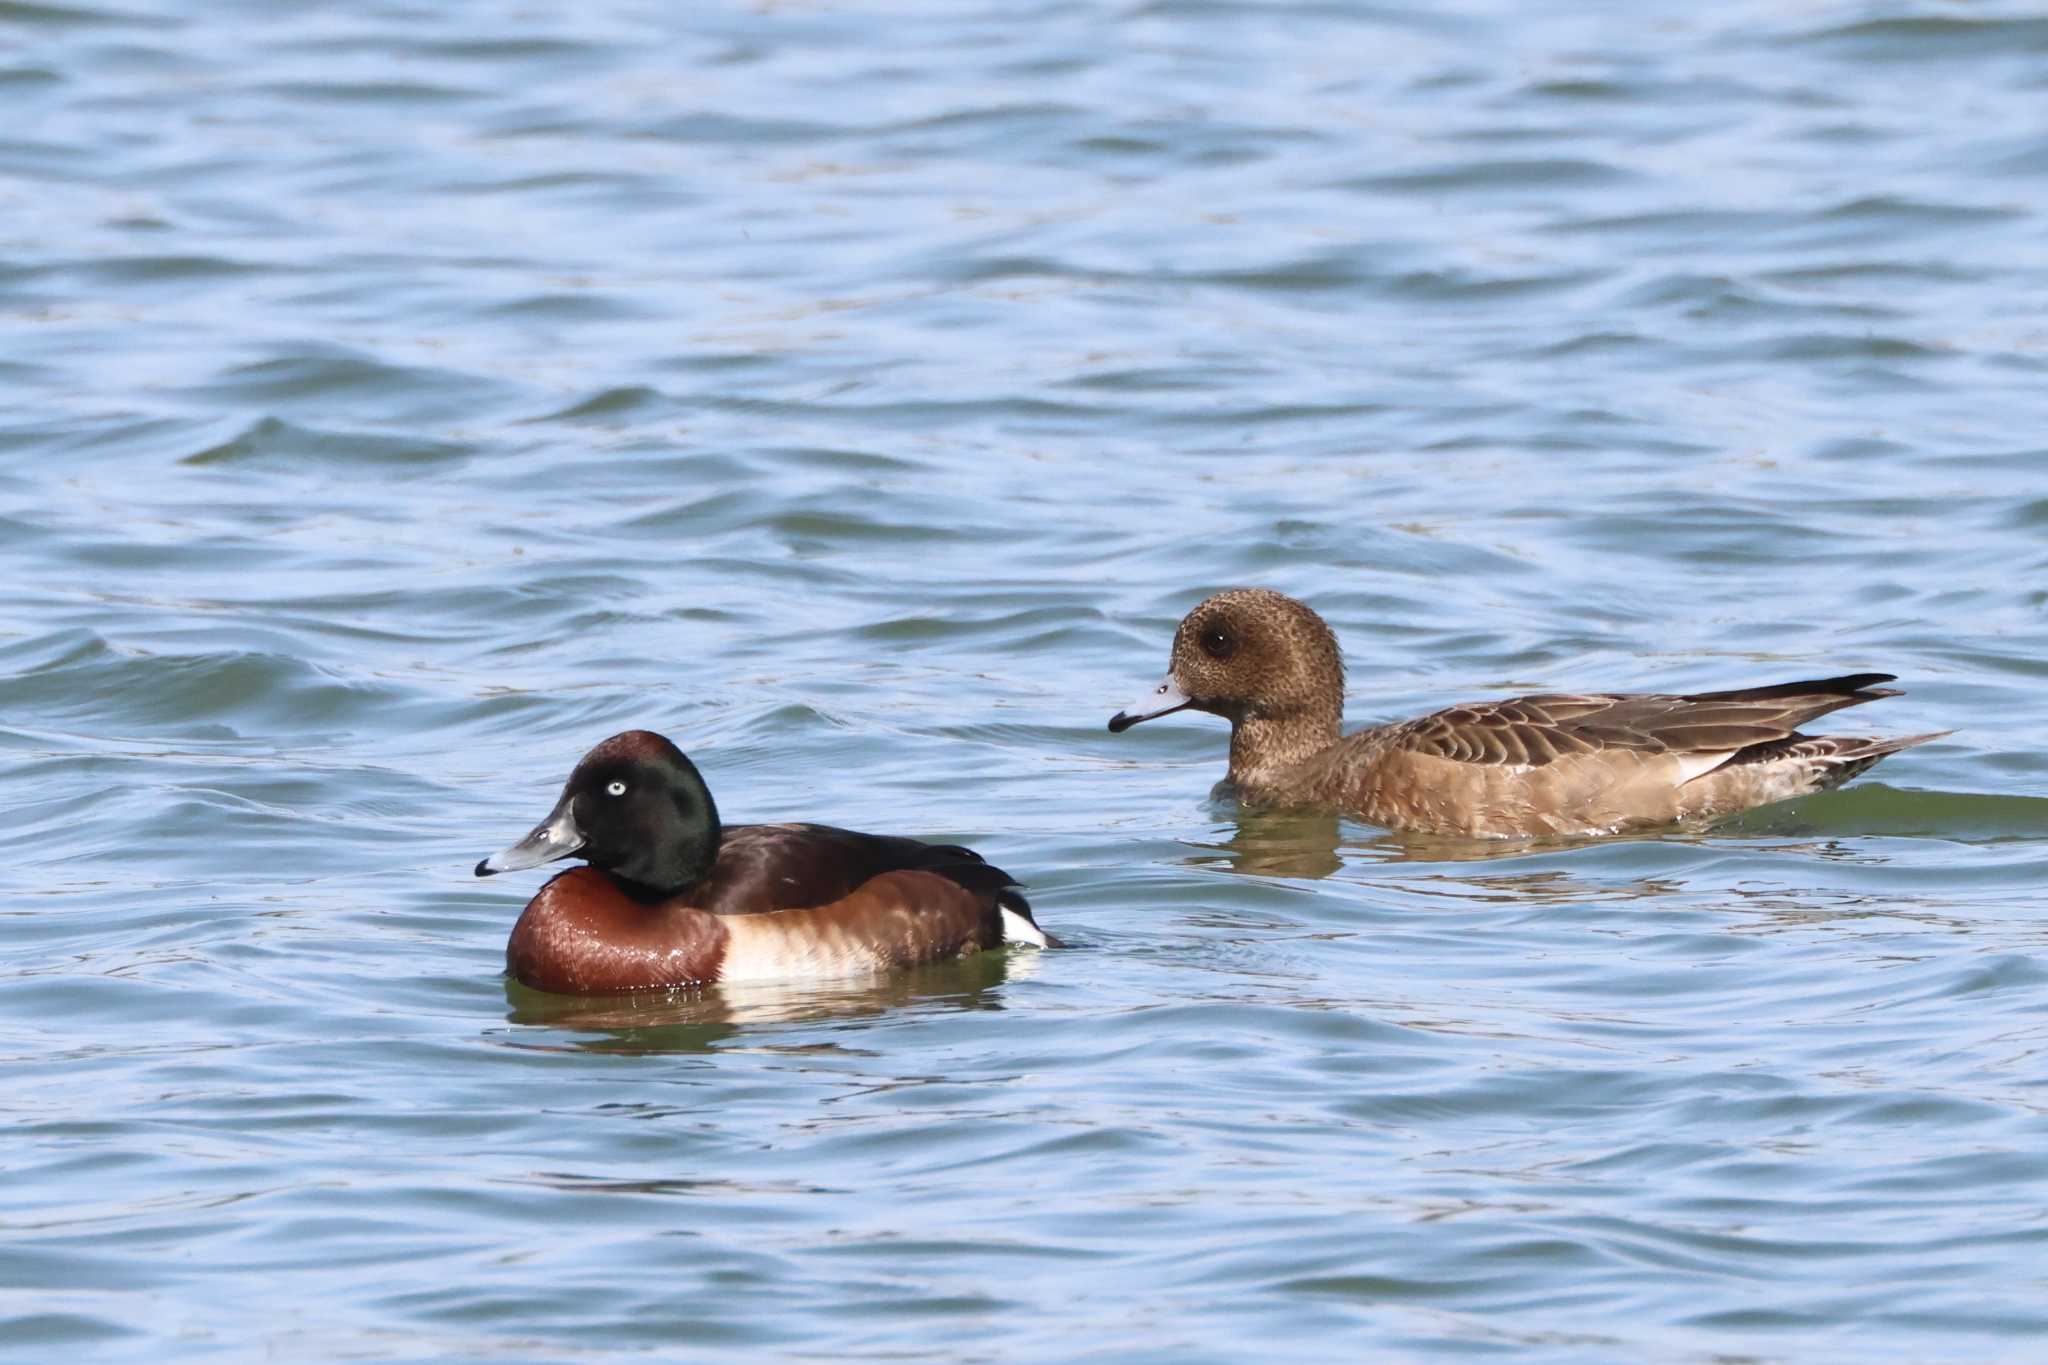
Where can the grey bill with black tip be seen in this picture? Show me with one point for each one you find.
(1160, 701)
(554, 837)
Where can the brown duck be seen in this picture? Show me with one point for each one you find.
(1550, 764)
(673, 898)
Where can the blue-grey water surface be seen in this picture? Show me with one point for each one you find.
(401, 397)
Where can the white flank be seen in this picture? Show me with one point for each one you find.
(761, 949)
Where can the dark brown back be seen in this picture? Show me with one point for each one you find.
(796, 867)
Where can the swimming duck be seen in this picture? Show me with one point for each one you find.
(671, 897)
(1595, 763)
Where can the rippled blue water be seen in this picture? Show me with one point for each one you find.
(400, 398)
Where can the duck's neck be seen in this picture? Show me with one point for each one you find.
(683, 856)
(676, 880)
(1267, 745)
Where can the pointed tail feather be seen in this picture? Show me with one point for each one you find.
(1835, 758)
(1781, 707)
(1839, 767)
(1877, 748)
(1857, 685)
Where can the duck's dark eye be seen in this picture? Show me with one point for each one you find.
(615, 787)
(1218, 643)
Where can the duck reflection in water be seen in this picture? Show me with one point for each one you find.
(1310, 844)
(701, 1019)
(1287, 843)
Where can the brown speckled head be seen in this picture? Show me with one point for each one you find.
(1249, 653)
(1264, 662)
(1255, 652)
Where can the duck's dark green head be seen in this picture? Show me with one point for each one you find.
(636, 807)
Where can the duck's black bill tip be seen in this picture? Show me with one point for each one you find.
(1162, 700)
(483, 867)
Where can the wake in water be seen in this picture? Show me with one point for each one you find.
(1874, 808)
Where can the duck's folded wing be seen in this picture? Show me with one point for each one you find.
(1532, 731)
(794, 867)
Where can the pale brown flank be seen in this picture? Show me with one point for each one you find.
(1550, 764)
(895, 920)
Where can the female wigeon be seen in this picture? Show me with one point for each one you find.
(1550, 764)
(673, 898)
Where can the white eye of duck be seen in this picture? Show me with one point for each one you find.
(615, 787)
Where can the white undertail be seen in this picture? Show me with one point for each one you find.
(1017, 929)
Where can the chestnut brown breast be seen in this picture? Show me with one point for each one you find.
(583, 935)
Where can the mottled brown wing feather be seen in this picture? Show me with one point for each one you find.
(1540, 729)
(794, 867)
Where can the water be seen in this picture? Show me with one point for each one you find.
(401, 398)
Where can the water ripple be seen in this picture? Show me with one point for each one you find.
(405, 399)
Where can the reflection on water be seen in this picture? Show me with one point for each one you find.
(1315, 844)
(702, 1019)
(1310, 845)
(1301, 844)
